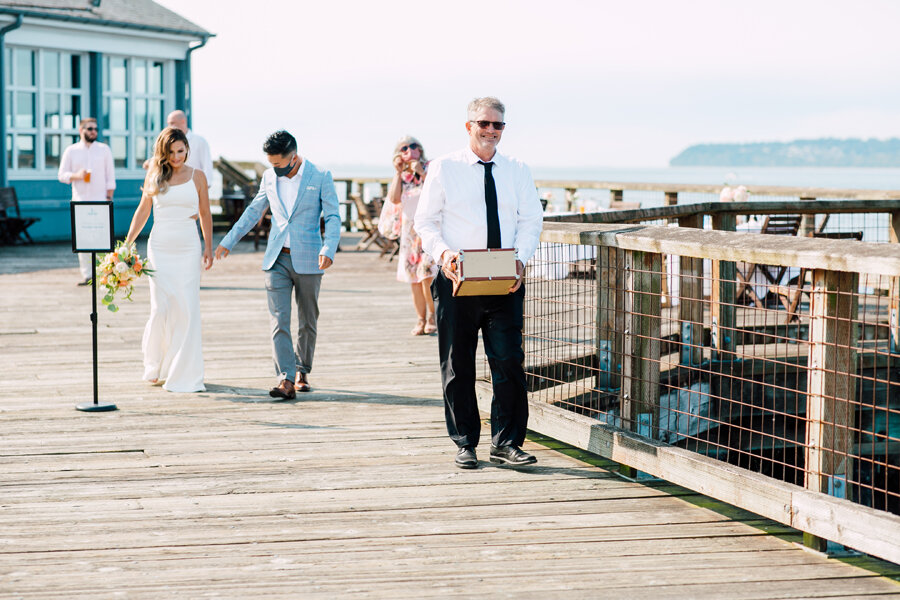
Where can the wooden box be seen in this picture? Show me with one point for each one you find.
(486, 272)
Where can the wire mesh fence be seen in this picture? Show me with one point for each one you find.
(789, 371)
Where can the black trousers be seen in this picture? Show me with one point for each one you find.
(500, 320)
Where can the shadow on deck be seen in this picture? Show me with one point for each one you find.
(349, 491)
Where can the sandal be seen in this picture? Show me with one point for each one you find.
(419, 329)
(430, 327)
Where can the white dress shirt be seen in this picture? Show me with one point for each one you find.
(95, 157)
(199, 156)
(288, 192)
(452, 214)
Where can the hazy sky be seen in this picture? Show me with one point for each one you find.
(586, 83)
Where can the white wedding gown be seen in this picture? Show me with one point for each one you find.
(173, 350)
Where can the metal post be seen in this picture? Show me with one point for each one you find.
(96, 406)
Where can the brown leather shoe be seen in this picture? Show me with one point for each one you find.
(284, 390)
(302, 382)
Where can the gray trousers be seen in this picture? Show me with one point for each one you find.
(282, 282)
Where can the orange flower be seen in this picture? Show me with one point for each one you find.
(137, 266)
(103, 281)
(123, 283)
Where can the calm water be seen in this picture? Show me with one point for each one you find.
(873, 226)
(873, 179)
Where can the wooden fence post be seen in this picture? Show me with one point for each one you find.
(894, 318)
(570, 199)
(690, 306)
(615, 196)
(348, 188)
(894, 315)
(895, 228)
(722, 307)
(807, 221)
(639, 395)
(671, 199)
(610, 316)
(831, 386)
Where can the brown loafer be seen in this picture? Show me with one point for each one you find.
(302, 383)
(284, 390)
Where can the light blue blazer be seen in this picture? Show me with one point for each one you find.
(316, 199)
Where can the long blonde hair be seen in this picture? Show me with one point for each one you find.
(160, 171)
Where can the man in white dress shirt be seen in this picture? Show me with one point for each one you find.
(87, 166)
(199, 156)
(477, 198)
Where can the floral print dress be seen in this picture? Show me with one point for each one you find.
(415, 265)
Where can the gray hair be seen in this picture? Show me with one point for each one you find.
(408, 139)
(486, 102)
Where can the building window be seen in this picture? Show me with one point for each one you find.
(134, 102)
(46, 94)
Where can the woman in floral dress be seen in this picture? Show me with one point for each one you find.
(415, 267)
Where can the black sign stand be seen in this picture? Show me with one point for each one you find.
(89, 228)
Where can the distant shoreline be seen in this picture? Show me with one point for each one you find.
(822, 152)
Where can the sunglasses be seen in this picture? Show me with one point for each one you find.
(90, 129)
(498, 125)
(409, 147)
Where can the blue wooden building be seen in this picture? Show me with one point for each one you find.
(125, 62)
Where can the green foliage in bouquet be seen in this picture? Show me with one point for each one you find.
(117, 271)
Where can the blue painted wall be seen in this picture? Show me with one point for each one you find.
(49, 201)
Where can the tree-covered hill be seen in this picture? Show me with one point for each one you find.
(825, 152)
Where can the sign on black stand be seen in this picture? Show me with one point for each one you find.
(92, 231)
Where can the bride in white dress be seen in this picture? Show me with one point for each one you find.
(178, 196)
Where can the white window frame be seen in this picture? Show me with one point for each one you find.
(40, 130)
(135, 130)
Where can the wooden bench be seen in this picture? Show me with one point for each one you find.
(13, 227)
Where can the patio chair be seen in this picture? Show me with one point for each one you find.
(791, 298)
(772, 274)
(367, 221)
(13, 226)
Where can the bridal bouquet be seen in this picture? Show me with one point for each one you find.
(118, 270)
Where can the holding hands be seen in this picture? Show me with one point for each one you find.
(222, 252)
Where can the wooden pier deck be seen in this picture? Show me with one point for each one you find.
(349, 491)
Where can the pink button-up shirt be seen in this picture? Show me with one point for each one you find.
(98, 159)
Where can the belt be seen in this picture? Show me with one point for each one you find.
(285, 250)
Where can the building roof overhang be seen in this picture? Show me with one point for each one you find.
(139, 15)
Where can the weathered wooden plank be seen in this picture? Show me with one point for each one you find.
(348, 491)
(814, 253)
(756, 190)
(782, 502)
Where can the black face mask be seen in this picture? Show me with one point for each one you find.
(283, 171)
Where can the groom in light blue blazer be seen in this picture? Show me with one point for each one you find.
(298, 194)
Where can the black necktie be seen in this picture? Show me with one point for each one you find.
(490, 202)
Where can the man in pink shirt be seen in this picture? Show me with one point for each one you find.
(88, 166)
